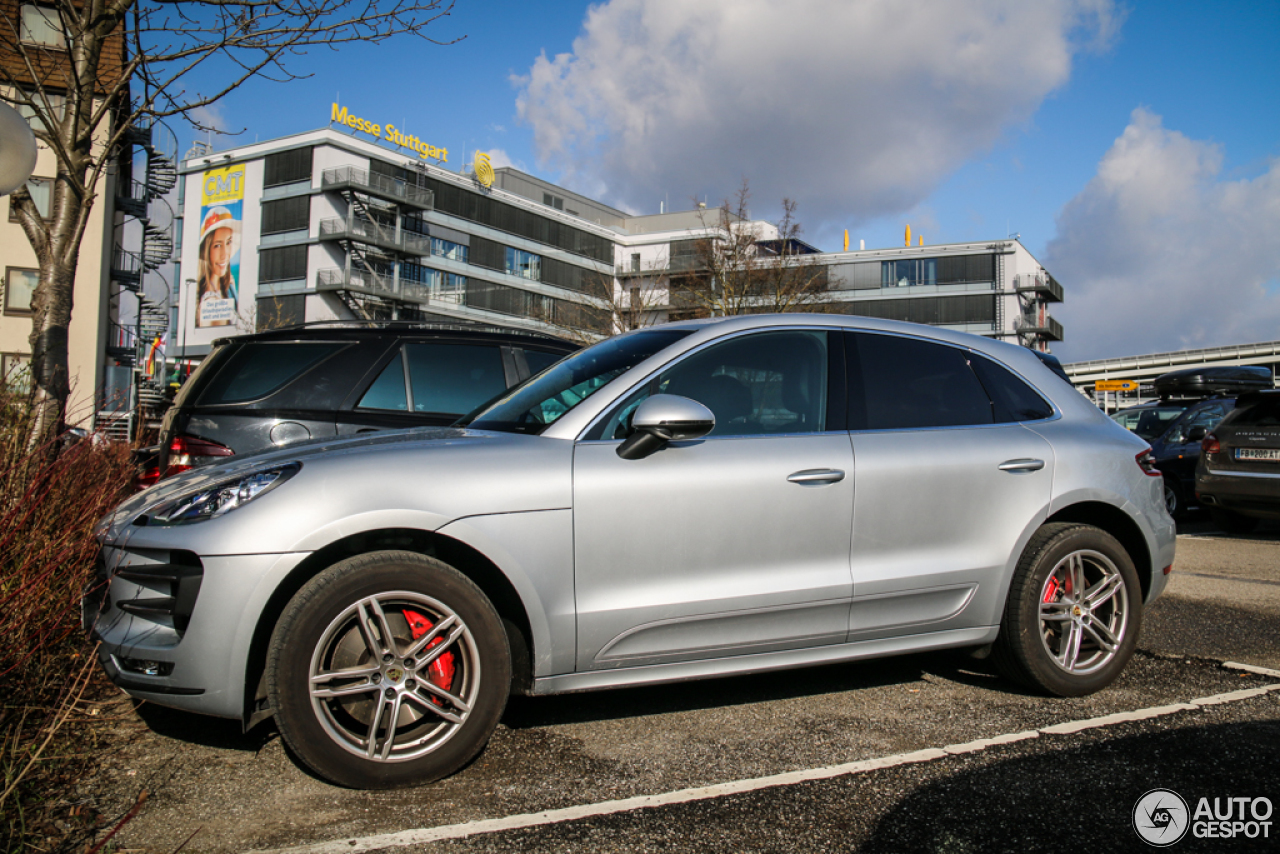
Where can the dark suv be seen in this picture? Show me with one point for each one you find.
(1192, 402)
(1238, 475)
(283, 386)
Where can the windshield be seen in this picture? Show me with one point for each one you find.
(540, 402)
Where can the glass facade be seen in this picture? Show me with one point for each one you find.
(526, 265)
(442, 248)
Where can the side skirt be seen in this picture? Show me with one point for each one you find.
(682, 671)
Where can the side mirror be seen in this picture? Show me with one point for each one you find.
(665, 418)
(1197, 433)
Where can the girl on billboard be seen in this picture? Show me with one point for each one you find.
(217, 283)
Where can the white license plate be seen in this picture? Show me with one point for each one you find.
(1272, 454)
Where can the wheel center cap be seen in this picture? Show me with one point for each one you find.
(395, 674)
(1078, 611)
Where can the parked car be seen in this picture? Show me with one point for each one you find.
(1192, 402)
(698, 499)
(1238, 473)
(323, 380)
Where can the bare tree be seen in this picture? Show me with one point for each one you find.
(738, 268)
(631, 301)
(89, 71)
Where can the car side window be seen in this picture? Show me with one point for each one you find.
(261, 368)
(539, 360)
(388, 390)
(1012, 398)
(902, 383)
(766, 383)
(453, 378)
(1206, 417)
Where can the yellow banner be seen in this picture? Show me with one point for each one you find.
(222, 185)
(1116, 385)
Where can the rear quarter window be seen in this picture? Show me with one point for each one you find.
(260, 368)
(1011, 397)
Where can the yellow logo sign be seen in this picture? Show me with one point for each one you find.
(223, 185)
(392, 134)
(484, 169)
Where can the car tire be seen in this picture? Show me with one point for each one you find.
(1175, 498)
(1052, 638)
(1232, 522)
(389, 669)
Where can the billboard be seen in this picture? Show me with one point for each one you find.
(218, 264)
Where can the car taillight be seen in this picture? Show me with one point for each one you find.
(185, 452)
(1147, 462)
(1210, 444)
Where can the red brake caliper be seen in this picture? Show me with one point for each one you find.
(440, 671)
(1052, 590)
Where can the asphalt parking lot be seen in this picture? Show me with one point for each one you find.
(874, 756)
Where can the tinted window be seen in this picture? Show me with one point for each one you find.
(539, 360)
(772, 382)
(1206, 416)
(388, 390)
(454, 378)
(259, 369)
(1013, 399)
(908, 382)
(1153, 422)
(1264, 413)
(536, 404)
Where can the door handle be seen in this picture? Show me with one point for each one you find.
(816, 477)
(1016, 466)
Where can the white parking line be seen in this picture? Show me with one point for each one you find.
(458, 831)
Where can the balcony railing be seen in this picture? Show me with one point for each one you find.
(367, 231)
(1040, 283)
(1045, 327)
(378, 185)
(335, 279)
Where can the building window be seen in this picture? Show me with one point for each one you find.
(287, 262)
(635, 262)
(19, 288)
(292, 214)
(41, 190)
(912, 271)
(41, 25)
(286, 167)
(526, 265)
(414, 224)
(448, 249)
(553, 201)
(15, 368)
(56, 103)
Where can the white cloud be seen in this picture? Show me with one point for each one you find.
(854, 109)
(1159, 253)
(499, 158)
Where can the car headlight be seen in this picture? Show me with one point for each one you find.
(219, 499)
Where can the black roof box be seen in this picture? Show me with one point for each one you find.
(1207, 380)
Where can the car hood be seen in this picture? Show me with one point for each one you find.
(437, 473)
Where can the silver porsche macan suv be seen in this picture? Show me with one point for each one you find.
(698, 499)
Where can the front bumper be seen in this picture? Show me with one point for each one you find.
(178, 629)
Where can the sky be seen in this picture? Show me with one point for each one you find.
(1133, 146)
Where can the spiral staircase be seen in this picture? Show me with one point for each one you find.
(138, 318)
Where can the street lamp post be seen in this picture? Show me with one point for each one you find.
(182, 318)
